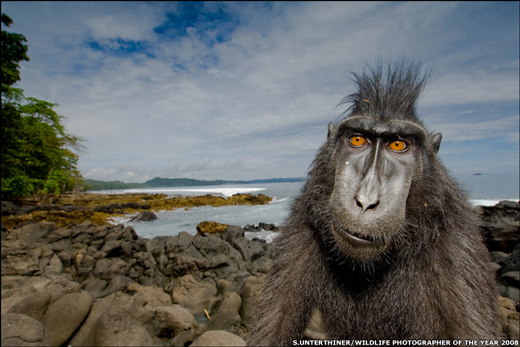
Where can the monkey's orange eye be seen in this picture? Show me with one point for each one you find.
(398, 145)
(357, 141)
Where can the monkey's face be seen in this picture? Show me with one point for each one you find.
(375, 162)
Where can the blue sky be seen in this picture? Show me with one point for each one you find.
(245, 90)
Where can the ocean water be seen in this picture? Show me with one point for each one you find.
(486, 189)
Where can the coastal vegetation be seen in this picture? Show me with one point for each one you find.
(37, 151)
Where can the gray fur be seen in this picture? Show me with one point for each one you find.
(434, 281)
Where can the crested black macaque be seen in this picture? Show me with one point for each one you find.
(381, 240)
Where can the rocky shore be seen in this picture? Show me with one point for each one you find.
(99, 208)
(94, 284)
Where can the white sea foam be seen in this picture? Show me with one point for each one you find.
(224, 191)
(488, 202)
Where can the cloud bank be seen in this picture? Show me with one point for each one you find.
(245, 90)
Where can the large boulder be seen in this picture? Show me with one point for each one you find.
(218, 338)
(209, 227)
(227, 315)
(65, 315)
(33, 305)
(250, 297)
(195, 296)
(21, 330)
(172, 324)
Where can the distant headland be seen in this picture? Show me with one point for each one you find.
(158, 182)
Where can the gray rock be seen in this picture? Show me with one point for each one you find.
(152, 295)
(55, 266)
(33, 305)
(65, 315)
(60, 287)
(250, 250)
(144, 216)
(252, 290)
(84, 264)
(513, 329)
(227, 316)
(511, 279)
(8, 208)
(118, 326)
(513, 294)
(512, 263)
(32, 232)
(117, 283)
(21, 330)
(498, 257)
(118, 268)
(85, 335)
(172, 323)
(185, 239)
(120, 331)
(218, 338)
(232, 232)
(111, 246)
(194, 296)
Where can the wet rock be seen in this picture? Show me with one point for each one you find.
(209, 227)
(144, 216)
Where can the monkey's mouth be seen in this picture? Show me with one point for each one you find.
(360, 239)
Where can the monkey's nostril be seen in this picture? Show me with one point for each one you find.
(373, 206)
(366, 205)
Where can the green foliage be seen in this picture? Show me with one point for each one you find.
(17, 186)
(36, 148)
(13, 51)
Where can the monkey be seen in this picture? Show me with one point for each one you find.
(381, 240)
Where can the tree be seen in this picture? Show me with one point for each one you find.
(36, 148)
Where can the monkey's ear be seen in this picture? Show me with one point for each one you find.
(436, 141)
(332, 130)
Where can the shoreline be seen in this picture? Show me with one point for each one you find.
(79, 284)
(100, 208)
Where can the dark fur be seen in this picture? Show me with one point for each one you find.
(434, 284)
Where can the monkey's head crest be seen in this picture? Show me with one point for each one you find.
(389, 93)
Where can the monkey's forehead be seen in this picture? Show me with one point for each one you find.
(379, 127)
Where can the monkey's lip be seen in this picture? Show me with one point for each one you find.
(360, 239)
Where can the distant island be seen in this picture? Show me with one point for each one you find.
(158, 182)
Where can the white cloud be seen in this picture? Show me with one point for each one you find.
(258, 103)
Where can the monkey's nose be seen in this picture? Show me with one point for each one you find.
(367, 203)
